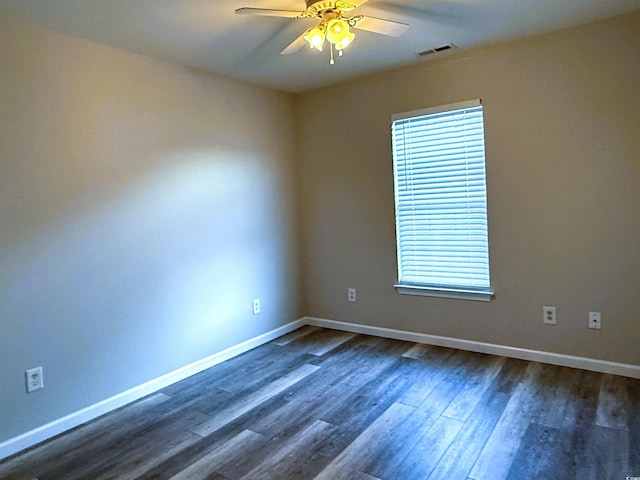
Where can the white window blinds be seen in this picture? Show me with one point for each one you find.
(440, 194)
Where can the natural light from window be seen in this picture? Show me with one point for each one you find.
(440, 202)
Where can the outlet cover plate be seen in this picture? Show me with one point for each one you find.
(549, 315)
(34, 379)
(351, 294)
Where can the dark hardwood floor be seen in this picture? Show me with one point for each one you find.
(323, 404)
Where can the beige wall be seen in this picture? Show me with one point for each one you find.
(142, 208)
(562, 116)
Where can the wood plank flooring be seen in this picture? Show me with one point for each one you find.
(323, 404)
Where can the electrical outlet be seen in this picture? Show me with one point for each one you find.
(351, 294)
(549, 315)
(256, 306)
(34, 379)
(594, 320)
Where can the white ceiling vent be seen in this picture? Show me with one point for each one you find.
(433, 51)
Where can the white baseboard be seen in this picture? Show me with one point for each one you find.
(594, 365)
(40, 434)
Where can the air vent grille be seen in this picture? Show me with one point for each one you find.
(440, 49)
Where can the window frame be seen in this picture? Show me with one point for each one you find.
(483, 293)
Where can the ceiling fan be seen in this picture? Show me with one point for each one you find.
(334, 26)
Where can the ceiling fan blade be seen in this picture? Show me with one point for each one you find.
(294, 46)
(381, 26)
(267, 12)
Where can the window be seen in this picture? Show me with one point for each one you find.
(441, 204)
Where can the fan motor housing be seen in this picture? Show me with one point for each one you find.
(317, 8)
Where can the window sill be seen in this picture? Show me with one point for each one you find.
(485, 296)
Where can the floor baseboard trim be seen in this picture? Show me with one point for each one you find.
(594, 365)
(33, 437)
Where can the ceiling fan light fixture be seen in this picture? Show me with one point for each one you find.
(334, 27)
(345, 42)
(338, 33)
(315, 36)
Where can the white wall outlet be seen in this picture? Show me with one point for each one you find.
(594, 320)
(549, 315)
(351, 294)
(34, 379)
(256, 306)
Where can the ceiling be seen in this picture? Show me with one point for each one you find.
(208, 35)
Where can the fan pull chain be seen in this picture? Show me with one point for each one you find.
(331, 62)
